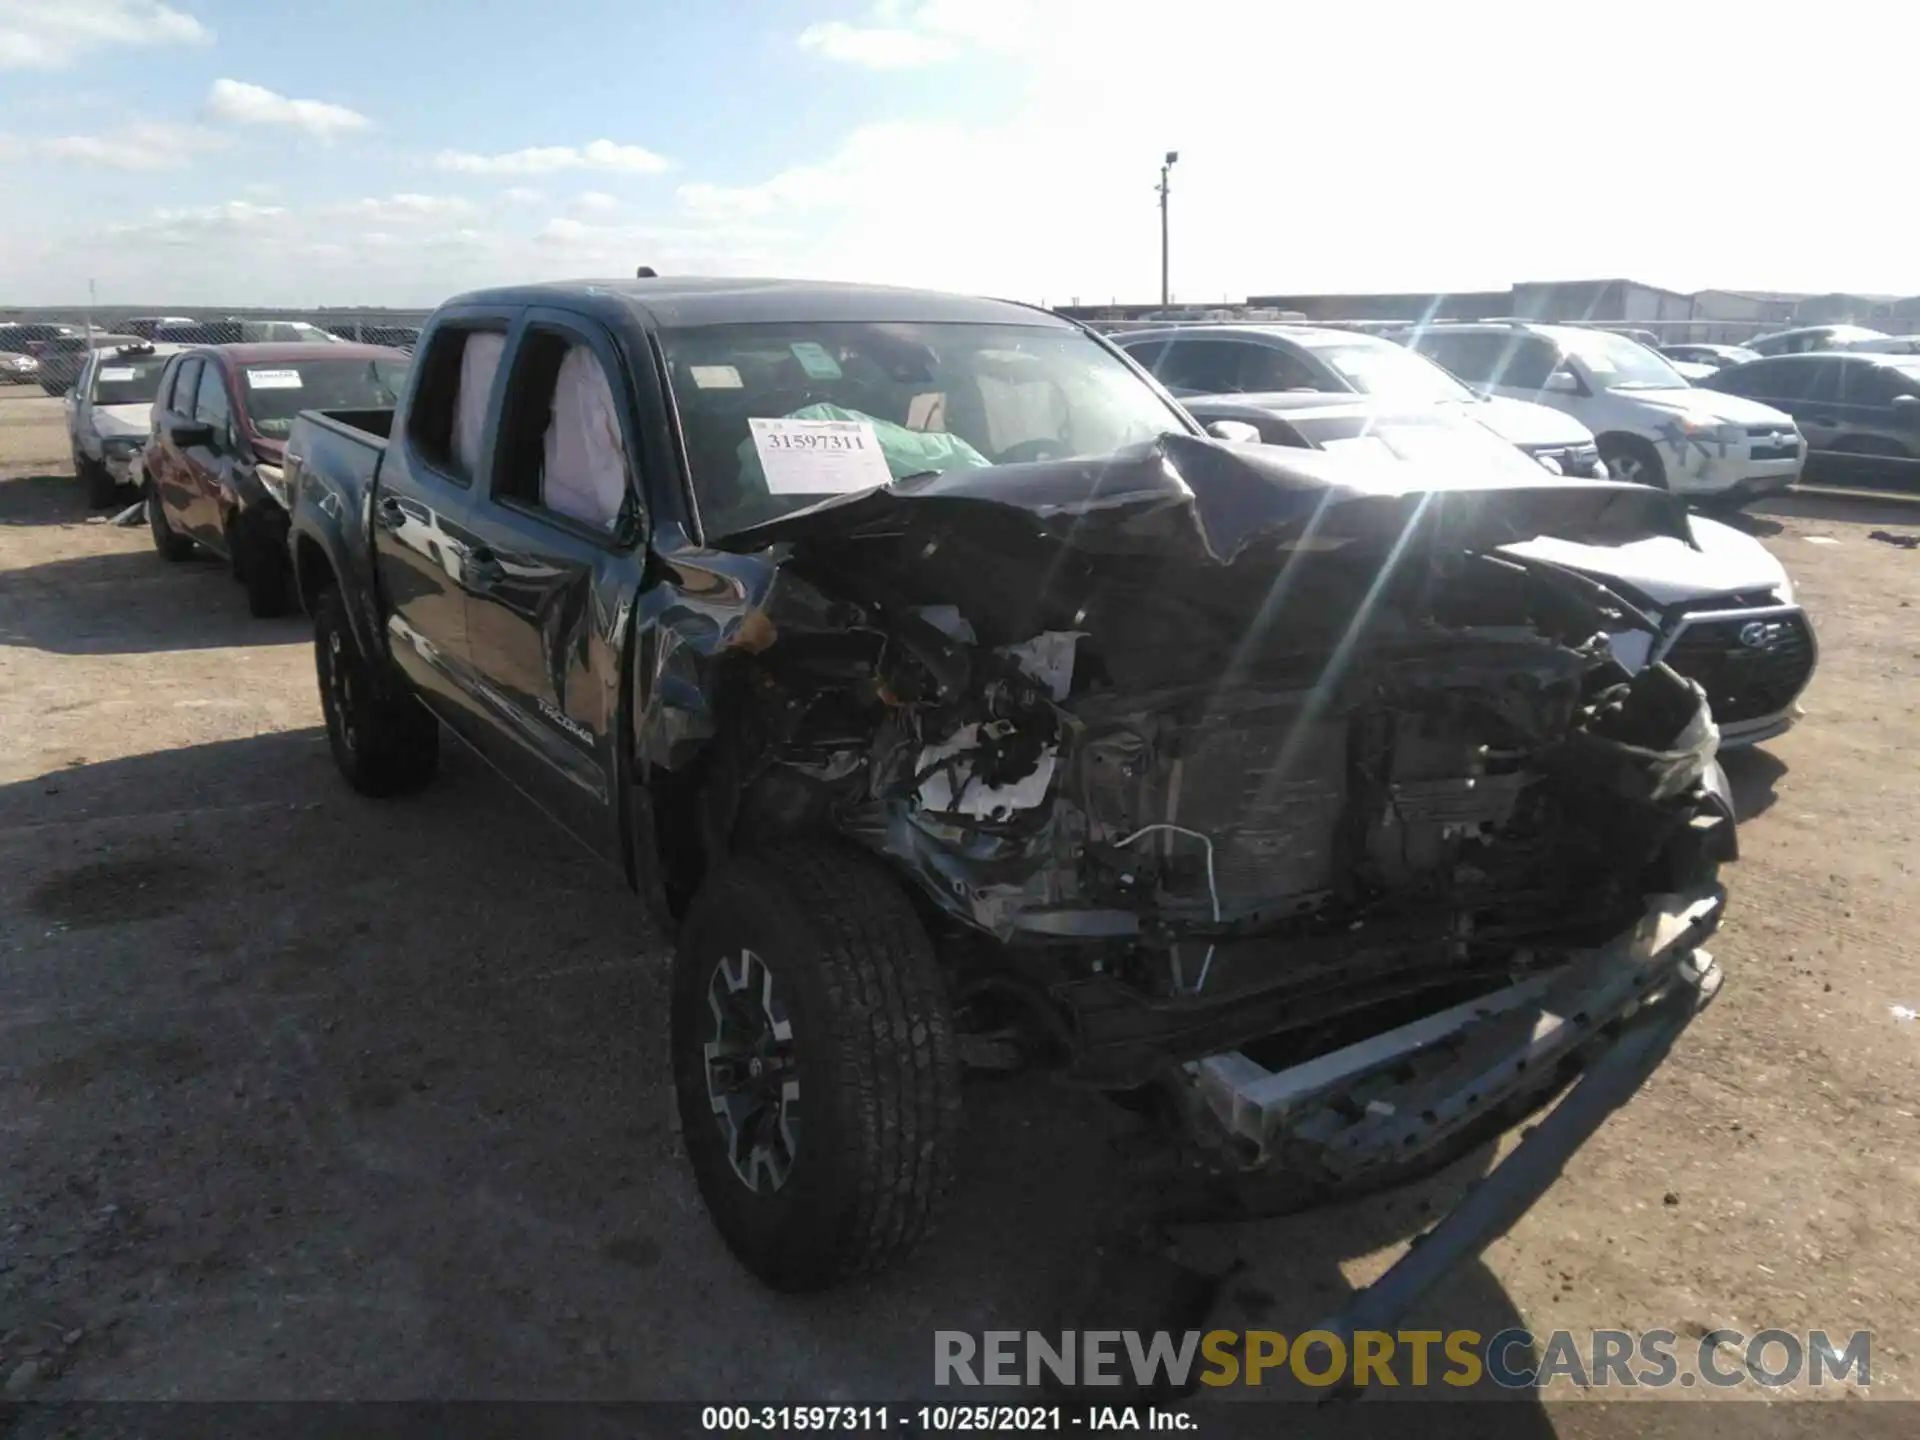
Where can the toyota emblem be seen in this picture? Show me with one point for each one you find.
(1755, 633)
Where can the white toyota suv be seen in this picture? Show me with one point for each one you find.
(1651, 425)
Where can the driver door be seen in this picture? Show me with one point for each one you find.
(557, 529)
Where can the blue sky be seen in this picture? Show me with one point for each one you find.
(272, 152)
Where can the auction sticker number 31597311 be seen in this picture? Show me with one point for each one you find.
(819, 457)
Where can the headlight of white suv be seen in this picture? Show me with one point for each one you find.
(1705, 427)
(274, 480)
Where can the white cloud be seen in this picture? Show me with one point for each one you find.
(878, 47)
(1420, 179)
(596, 202)
(404, 208)
(201, 225)
(551, 159)
(389, 250)
(51, 34)
(563, 231)
(240, 103)
(143, 145)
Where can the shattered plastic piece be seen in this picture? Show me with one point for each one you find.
(1631, 648)
(980, 801)
(948, 620)
(1047, 658)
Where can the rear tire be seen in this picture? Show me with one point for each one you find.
(803, 978)
(383, 739)
(1629, 458)
(173, 548)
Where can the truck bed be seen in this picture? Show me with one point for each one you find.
(369, 427)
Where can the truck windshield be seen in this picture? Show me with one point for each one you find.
(127, 382)
(274, 391)
(926, 396)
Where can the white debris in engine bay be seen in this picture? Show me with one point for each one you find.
(982, 802)
(1048, 658)
(948, 620)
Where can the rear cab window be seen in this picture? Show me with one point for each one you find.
(447, 418)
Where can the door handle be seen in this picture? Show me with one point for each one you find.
(482, 567)
(388, 513)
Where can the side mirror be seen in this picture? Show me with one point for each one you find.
(1562, 383)
(185, 437)
(1906, 404)
(1237, 432)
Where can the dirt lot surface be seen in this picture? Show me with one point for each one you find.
(300, 1096)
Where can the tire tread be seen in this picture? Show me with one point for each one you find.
(895, 1041)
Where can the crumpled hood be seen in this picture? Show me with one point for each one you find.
(1668, 571)
(1205, 500)
(122, 420)
(1732, 409)
(1530, 426)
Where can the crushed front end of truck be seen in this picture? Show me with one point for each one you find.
(1301, 805)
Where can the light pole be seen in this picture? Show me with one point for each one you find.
(1166, 169)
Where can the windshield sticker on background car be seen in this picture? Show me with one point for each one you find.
(273, 379)
(815, 360)
(715, 377)
(116, 372)
(819, 457)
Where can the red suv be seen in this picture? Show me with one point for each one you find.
(213, 462)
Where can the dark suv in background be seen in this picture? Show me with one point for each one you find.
(1858, 406)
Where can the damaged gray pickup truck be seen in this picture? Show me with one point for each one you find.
(959, 702)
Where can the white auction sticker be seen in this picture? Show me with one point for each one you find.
(117, 372)
(273, 379)
(716, 377)
(819, 457)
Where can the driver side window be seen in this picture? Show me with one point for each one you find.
(210, 405)
(562, 447)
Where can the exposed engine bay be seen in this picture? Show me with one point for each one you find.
(1191, 785)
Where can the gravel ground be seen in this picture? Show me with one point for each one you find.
(300, 1097)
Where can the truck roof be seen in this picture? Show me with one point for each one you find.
(675, 301)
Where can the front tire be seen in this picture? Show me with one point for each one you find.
(815, 1063)
(384, 741)
(1630, 459)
